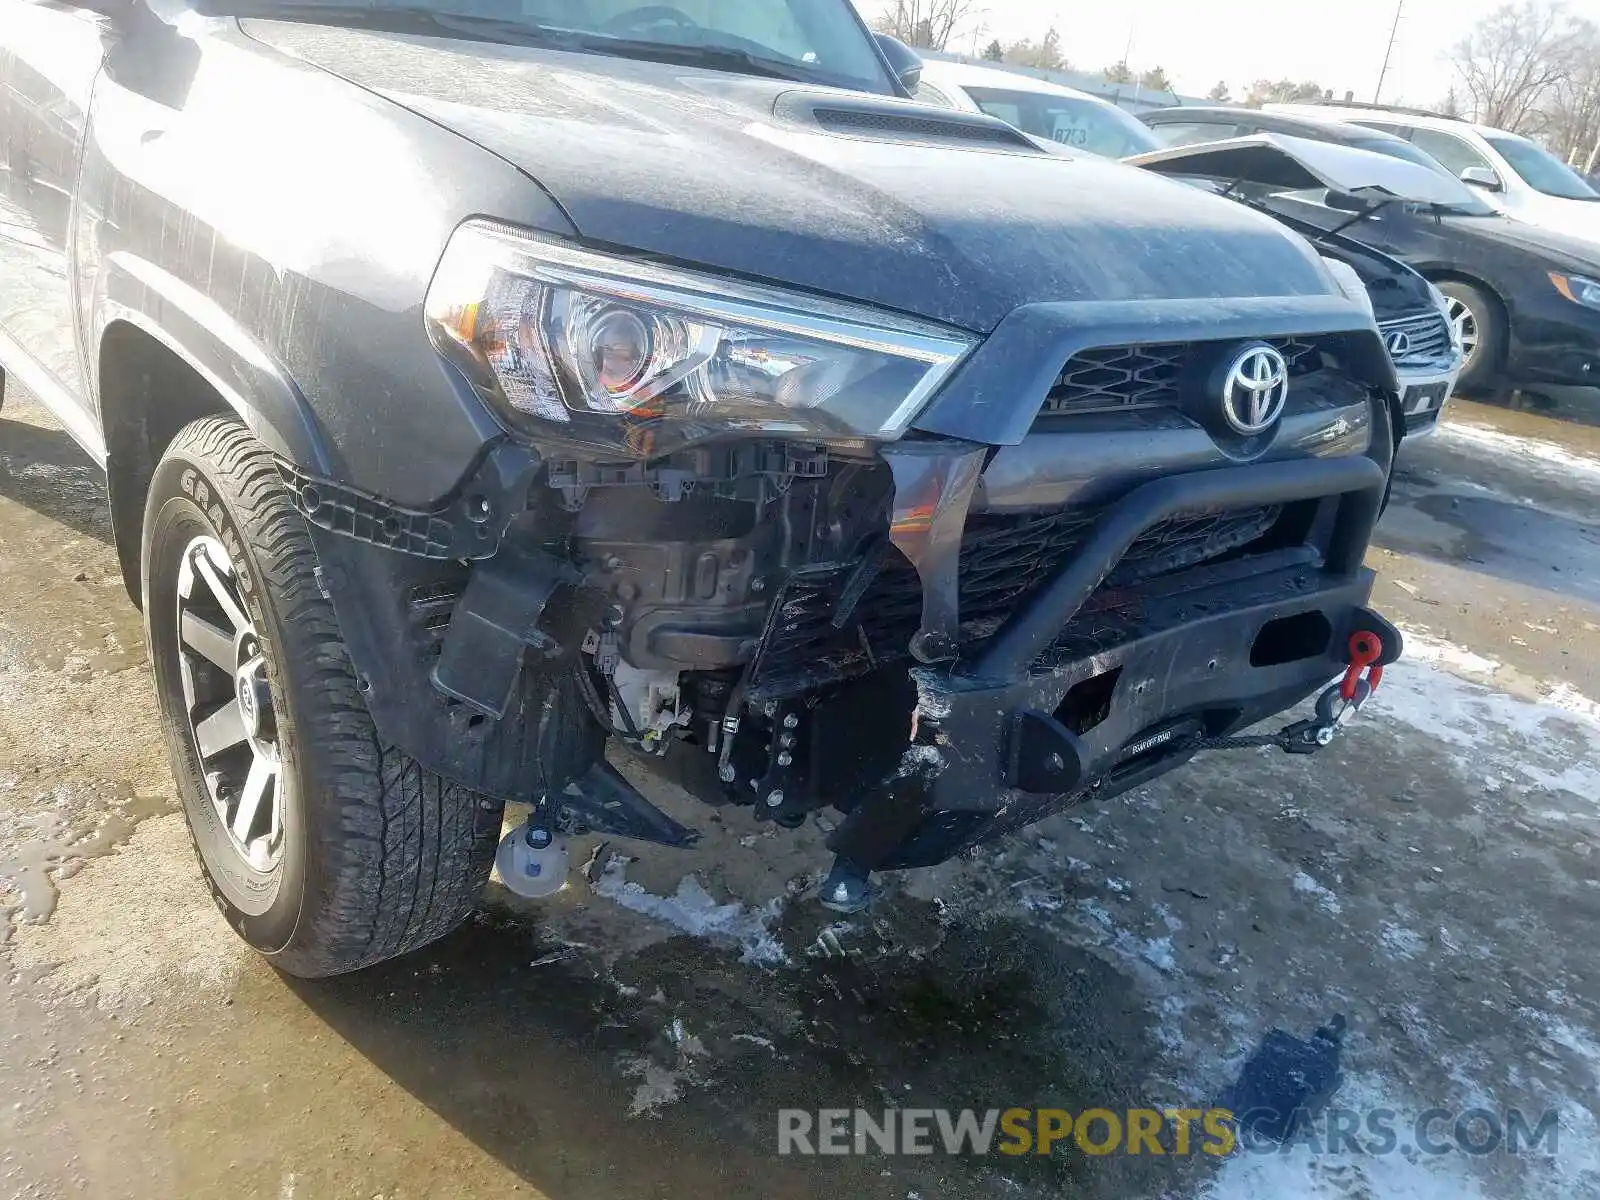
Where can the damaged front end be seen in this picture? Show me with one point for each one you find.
(799, 555)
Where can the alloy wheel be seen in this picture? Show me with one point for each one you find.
(229, 706)
(1466, 327)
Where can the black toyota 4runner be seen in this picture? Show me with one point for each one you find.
(482, 382)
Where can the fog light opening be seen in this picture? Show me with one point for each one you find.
(1291, 639)
(1088, 703)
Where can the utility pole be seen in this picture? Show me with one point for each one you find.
(1399, 7)
(1127, 54)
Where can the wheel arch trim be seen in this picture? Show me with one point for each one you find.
(1443, 274)
(198, 331)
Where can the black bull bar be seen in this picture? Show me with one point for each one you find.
(991, 749)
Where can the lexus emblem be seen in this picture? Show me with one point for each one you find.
(1398, 343)
(1255, 389)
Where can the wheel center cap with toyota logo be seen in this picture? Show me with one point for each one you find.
(1255, 389)
(1398, 344)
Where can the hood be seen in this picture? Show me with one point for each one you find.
(1562, 249)
(1279, 162)
(1396, 289)
(1276, 160)
(1578, 219)
(951, 217)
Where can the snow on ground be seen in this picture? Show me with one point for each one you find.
(1535, 456)
(1420, 648)
(1295, 1173)
(693, 910)
(1547, 741)
(1553, 741)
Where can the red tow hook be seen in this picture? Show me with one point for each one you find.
(1366, 649)
(1336, 707)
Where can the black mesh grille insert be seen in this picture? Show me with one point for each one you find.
(1003, 559)
(1123, 378)
(1117, 377)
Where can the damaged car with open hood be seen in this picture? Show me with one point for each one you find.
(1414, 317)
(486, 389)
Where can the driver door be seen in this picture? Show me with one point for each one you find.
(50, 54)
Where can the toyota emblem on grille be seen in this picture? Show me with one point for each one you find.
(1398, 343)
(1255, 389)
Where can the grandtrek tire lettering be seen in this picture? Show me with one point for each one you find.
(195, 487)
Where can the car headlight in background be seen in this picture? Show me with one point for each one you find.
(1577, 289)
(559, 334)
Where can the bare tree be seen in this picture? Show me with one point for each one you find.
(929, 24)
(1512, 60)
(1283, 91)
(1043, 55)
(1155, 80)
(1568, 119)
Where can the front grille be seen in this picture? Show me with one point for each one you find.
(1004, 558)
(1124, 378)
(1427, 340)
(1111, 378)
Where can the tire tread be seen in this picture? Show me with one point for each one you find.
(403, 852)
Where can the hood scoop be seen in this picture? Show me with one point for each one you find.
(898, 121)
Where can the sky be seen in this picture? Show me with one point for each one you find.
(1339, 43)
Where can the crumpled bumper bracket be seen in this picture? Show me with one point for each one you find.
(933, 486)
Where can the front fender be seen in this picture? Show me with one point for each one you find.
(198, 331)
(277, 227)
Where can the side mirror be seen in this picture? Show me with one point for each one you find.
(902, 59)
(1482, 177)
(1345, 202)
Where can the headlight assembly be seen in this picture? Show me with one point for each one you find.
(1577, 289)
(652, 358)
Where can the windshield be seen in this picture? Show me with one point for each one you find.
(1541, 170)
(1087, 124)
(822, 40)
(1395, 148)
(1469, 205)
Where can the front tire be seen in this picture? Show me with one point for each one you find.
(326, 849)
(1481, 325)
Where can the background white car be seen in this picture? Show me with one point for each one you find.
(1037, 107)
(1517, 175)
